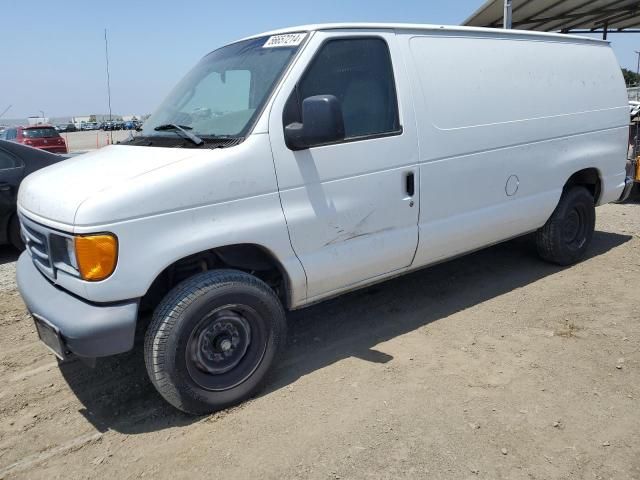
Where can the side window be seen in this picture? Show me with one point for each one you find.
(11, 134)
(358, 72)
(7, 161)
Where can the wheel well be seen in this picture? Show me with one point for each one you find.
(589, 178)
(249, 258)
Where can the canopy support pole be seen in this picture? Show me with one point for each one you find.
(507, 14)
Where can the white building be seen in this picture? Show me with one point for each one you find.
(37, 120)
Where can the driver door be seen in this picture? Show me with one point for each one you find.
(352, 206)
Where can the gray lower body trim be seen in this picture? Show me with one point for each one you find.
(87, 329)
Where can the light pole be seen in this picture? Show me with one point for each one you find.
(637, 74)
(106, 57)
(636, 139)
(5, 111)
(42, 112)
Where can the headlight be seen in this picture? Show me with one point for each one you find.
(96, 255)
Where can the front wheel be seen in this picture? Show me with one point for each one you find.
(566, 236)
(212, 340)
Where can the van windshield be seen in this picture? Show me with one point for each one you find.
(226, 90)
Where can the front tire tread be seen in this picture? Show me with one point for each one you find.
(165, 319)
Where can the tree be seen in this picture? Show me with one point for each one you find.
(632, 79)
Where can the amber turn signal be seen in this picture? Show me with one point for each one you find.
(96, 255)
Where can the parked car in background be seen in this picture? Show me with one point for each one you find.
(16, 162)
(66, 127)
(90, 126)
(111, 125)
(44, 137)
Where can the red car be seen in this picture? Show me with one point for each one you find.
(44, 137)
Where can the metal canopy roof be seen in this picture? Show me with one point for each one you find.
(578, 16)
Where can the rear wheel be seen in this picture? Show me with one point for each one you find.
(212, 340)
(566, 236)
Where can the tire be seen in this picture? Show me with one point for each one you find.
(14, 234)
(212, 340)
(566, 236)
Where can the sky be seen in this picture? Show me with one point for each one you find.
(53, 57)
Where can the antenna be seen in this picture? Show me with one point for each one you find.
(106, 56)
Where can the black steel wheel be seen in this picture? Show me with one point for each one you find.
(212, 340)
(224, 349)
(566, 236)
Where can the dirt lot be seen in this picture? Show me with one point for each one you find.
(492, 366)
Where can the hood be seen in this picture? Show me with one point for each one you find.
(56, 192)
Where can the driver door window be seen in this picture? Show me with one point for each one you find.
(359, 74)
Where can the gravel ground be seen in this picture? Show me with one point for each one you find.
(495, 365)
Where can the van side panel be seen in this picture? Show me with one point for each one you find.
(503, 123)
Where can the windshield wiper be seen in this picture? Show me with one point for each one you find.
(183, 130)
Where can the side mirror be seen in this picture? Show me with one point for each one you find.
(322, 123)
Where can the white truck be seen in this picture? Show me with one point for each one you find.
(296, 165)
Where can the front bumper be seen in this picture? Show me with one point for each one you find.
(628, 185)
(87, 329)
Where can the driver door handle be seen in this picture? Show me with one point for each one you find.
(410, 183)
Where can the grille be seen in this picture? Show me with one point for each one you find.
(36, 240)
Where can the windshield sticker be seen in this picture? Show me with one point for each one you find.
(285, 40)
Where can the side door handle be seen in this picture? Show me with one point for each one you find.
(5, 187)
(410, 183)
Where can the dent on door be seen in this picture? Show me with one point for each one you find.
(349, 229)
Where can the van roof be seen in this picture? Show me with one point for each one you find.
(490, 32)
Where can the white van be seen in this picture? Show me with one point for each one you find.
(299, 164)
